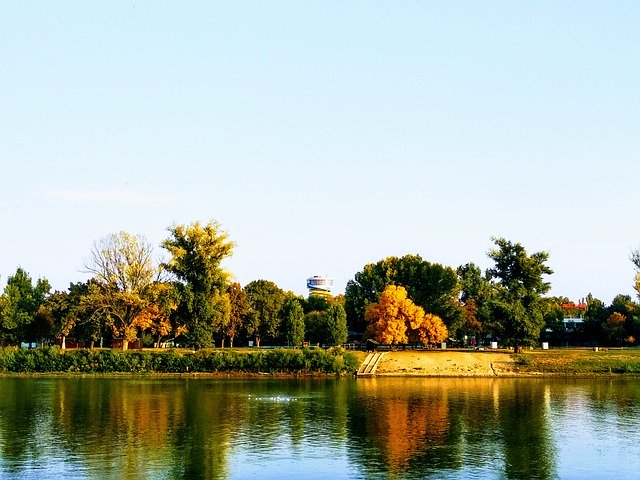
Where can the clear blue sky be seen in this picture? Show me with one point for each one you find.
(324, 135)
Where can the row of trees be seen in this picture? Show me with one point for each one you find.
(191, 298)
(507, 302)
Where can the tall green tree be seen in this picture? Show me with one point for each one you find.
(430, 285)
(518, 306)
(19, 304)
(123, 272)
(265, 300)
(594, 317)
(197, 252)
(239, 308)
(293, 321)
(336, 328)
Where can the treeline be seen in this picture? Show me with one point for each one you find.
(506, 303)
(191, 300)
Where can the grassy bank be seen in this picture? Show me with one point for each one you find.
(277, 361)
(579, 362)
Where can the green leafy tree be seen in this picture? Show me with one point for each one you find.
(518, 305)
(554, 315)
(124, 273)
(431, 286)
(476, 296)
(317, 303)
(293, 321)
(594, 317)
(19, 305)
(265, 300)
(614, 327)
(315, 323)
(82, 321)
(336, 327)
(197, 252)
(623, 305)
(239, 308)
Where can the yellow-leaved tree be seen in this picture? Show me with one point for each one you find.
(396, 319)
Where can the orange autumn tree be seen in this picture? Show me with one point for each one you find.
(155, 317)
(396, 319)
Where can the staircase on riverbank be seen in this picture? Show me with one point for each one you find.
(370, 364)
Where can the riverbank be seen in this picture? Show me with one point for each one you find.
(258, 363)
(503, 363)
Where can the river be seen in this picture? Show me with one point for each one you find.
(157, 428)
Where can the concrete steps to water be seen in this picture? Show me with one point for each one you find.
(370, 364)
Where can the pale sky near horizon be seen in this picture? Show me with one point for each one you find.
(324, 135)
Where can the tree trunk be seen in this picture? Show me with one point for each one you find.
(230, 342)
(159, 338)
(258, 342)
(125, 344)
(91, 344)
(222, 343)
(63, 342)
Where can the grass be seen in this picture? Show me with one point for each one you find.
(579, 362)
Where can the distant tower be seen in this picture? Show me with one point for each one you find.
(319, 286)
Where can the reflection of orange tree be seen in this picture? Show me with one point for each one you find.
(404, 426)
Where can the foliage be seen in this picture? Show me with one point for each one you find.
(315, 326)
(293, 321)
(395, 319)
(518, 306)
(635, 259)
(124, 273)
(265, 300)
(594, 317)
(430, 285)
(155, 318)
(327, 324)
(477, 292)
(614, 326)
(336, 324)
(197, 252)
(239, 308)
(53, 359)
(19, 306)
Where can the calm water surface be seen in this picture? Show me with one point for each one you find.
(141, 428)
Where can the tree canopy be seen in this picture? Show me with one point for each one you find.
(518, 306)
(395, 319)
(19, 305)
(124, 272)
(197, 252)
(430, 285)
(265, 300)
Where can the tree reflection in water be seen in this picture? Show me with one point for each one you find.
(96, 427)
(422, 427)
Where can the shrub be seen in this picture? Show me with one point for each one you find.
(52, 359)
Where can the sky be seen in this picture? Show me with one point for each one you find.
(324, 135)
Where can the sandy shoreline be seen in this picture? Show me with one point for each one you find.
(446, 363)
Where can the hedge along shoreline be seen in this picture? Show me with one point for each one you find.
(277, 361)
